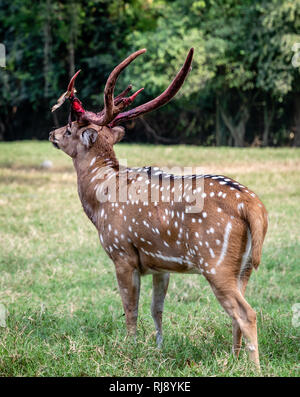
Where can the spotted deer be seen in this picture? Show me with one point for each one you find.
(159, 235)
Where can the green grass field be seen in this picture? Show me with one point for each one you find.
(65, 316)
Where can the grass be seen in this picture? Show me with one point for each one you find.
(65, 313)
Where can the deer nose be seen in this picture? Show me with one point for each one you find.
(50, 135)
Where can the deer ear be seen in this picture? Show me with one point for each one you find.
(88, 137)
(118, 134)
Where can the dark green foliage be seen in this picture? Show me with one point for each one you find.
(243, 89)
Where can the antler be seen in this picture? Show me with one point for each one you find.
(110, 110)
(111, 114)
(68, 94)
(112, 106)
(162, 99)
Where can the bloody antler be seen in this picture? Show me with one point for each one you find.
(119, 98)
(68, 94)
(112, 106)
(111, 114)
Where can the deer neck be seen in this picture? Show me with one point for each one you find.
(92, 171)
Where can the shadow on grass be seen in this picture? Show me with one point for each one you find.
(11, 263)
(34, 180)
(34, 167)
(23, 180)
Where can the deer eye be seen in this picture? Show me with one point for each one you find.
(68, 132)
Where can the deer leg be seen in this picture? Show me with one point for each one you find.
(236, 330)
(237, 338)
(160, 286)
(129, 286)
(247, 324)
(244, 316)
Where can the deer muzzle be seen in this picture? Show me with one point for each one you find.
(53, 140)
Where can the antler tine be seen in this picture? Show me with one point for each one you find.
(119, 98)
(70, 89)
(68, 94)
(162, 99)
(109, 110)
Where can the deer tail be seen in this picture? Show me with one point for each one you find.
(257, 219)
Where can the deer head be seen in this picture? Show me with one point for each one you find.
(78, 136)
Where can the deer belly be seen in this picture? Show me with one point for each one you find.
(162, 263)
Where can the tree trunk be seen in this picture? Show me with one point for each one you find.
(73, 32)
(71, 58)
(47, 47)
(151, 132)
(237, 130)
(268, 119)
(218, 124)
(297, 119)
